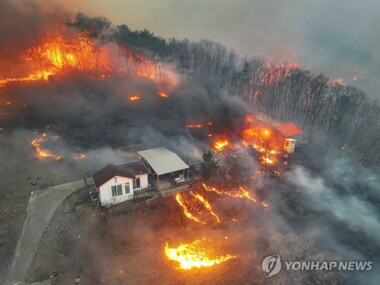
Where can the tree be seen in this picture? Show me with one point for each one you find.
(210, 164)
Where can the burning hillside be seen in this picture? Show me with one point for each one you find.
(71, 49)
(77, 94)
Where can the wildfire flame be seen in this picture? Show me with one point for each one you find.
(56, 53)
(338, 82)
(221, 145)
(163, 94)
(186, 210)
(194, 126)
(196, 207)
(78, 156)
(134, 98)
(236, 193)
(40, 151)
(196, 254)
(206, 204)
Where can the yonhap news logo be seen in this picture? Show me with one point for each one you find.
(271, 265)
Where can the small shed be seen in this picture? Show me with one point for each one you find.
(162, 161)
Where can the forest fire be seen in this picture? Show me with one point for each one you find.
(221, 145)
(196, 254)
(56, 53)
(196, 207)
(235, 193)
(61, 52)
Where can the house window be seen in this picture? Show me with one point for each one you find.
(117, 190)
(126, 187)
(136, 183)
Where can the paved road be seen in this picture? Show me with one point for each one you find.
(42, 205)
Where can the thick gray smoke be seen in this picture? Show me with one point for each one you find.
(338, 38)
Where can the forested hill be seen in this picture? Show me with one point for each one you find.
(335, 116)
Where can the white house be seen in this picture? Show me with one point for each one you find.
(117, 183)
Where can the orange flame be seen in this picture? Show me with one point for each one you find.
(78, 156)
(338, 82)
(40, 151)
(221, 145)
(163, 94)
(134, 98)
(56, 53)
(194, 206)
(236, 193)
(206, 204)
(196, 254)
(186, 210)
(194, 126)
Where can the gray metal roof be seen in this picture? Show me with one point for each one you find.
(163, 160)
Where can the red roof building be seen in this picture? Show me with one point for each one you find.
(288, 130)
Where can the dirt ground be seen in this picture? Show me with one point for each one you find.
(15, 188)
(126, 245)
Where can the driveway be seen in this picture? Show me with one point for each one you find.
(42, 205)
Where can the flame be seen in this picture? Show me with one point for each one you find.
(194, 126)
(78, 156)
(338, 82)
(40, 151)
(196, 254)
(195, 207)
(134, 98)
(240, 192)
(277, 72)
(186, 210)
(266, 160)
(221, 145)
(157, 71)
(56, 53)
(206, 204)
(163, 94)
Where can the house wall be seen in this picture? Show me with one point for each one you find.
(105, 191)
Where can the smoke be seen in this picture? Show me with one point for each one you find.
(343, 201)
(338, 39)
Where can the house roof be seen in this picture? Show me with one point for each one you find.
(163, 160)
(128, 169)
(289, 129)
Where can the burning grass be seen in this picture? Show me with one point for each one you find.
(196, 207)
(197, 254)
(239, 192)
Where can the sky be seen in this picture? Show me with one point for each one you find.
(339, 38)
